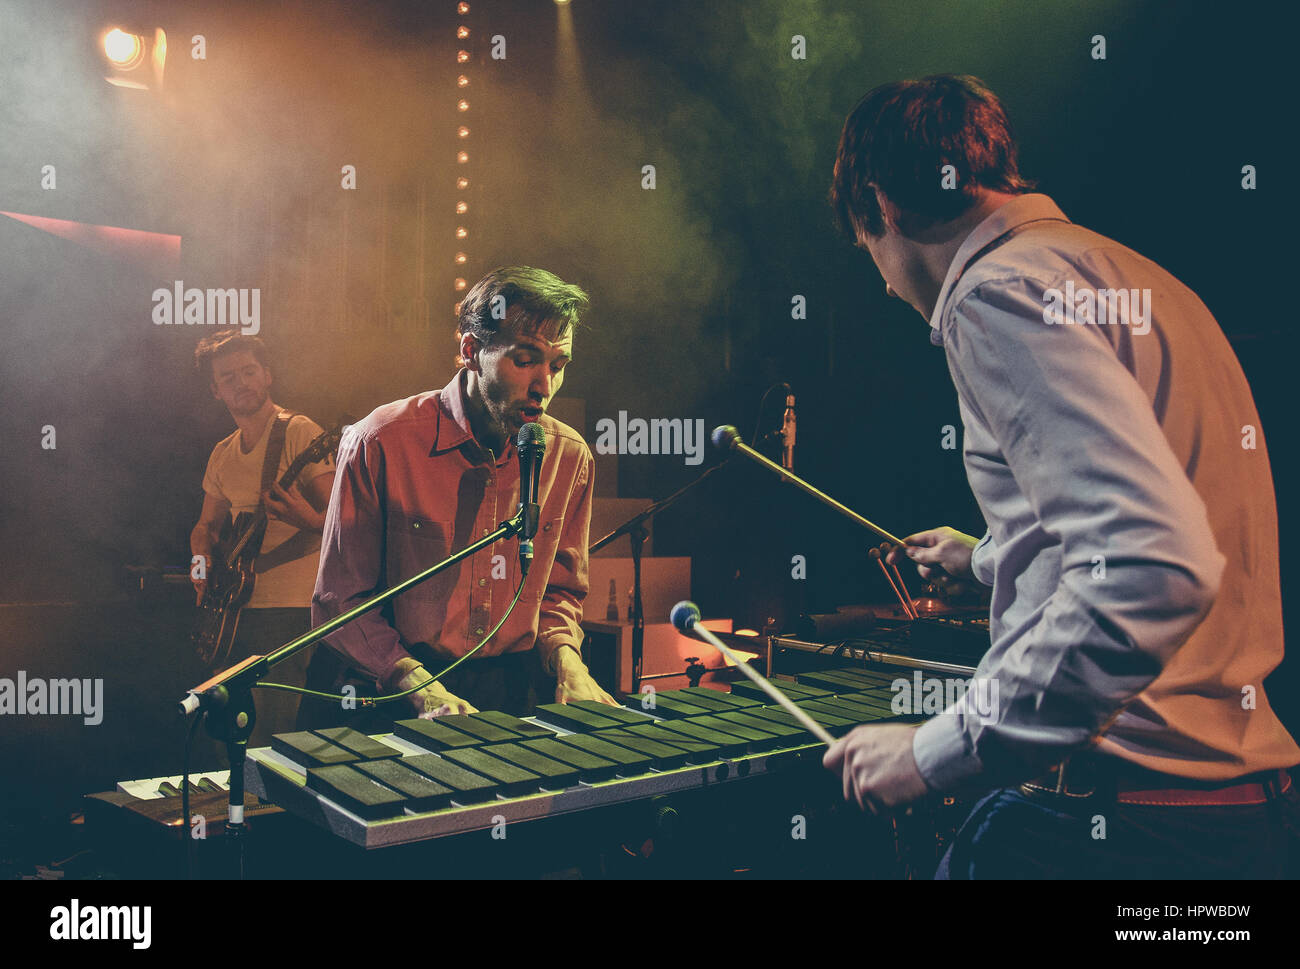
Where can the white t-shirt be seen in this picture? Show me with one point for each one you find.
(286, 567)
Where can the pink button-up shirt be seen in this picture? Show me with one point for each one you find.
(413, 486)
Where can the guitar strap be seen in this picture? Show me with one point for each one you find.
(270, 467)
(215, 629)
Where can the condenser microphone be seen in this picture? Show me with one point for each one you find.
(787, 434)
(531, 443)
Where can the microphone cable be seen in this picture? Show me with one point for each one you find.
(372, 701)
(762, 401)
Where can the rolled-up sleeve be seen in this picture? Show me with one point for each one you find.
(981, 559)
(1139, 567)
(352, 560)
(560, 619)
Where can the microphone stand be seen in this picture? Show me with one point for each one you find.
(227, 698)
(635, 529)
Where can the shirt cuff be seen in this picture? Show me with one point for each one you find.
(392, 680)
(546, 654)
(981, 559)
(941, 753)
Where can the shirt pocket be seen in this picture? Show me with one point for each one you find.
(545, 544)
(414, 544)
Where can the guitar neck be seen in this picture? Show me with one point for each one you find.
(295, 468)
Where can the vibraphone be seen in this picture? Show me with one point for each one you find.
(435, 778)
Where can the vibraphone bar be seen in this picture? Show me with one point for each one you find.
(436, 778)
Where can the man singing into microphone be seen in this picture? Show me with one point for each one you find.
(1132, 544)
(424, 477)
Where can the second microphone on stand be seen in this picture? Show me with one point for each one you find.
(787, 434)
(531, 443)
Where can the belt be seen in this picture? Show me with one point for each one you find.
(1086, 778)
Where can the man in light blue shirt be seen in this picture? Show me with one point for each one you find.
(1115, 451)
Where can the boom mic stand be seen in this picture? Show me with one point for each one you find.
(635, 529)
(227, 698)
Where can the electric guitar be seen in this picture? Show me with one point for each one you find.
(230, 574)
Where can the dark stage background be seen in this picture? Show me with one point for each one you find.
(240, 155)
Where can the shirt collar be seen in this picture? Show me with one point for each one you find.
(454, 429)
(1021, 210)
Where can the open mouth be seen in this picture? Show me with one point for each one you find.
(530, 413)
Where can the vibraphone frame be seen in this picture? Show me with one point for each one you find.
(275, 778)
(282, 781)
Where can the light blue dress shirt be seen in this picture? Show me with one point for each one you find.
(1117, 457)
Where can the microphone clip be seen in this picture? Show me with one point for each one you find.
(531, 520)
(530, 514)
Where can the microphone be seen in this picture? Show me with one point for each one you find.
(531, 443)
(787, 434)
(686, 617)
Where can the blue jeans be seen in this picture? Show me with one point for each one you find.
(1010, 835)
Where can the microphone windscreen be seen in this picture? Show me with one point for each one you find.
(531, 435)
(685, 615)
(725, 437)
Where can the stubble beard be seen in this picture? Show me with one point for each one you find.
(248, 410)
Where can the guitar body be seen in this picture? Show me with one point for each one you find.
(231, 581)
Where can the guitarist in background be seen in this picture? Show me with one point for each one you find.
(235, 367)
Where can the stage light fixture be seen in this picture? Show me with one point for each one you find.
(126, 52)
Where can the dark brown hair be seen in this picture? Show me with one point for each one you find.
(530, 298)
(232, 341)
(899, 138)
